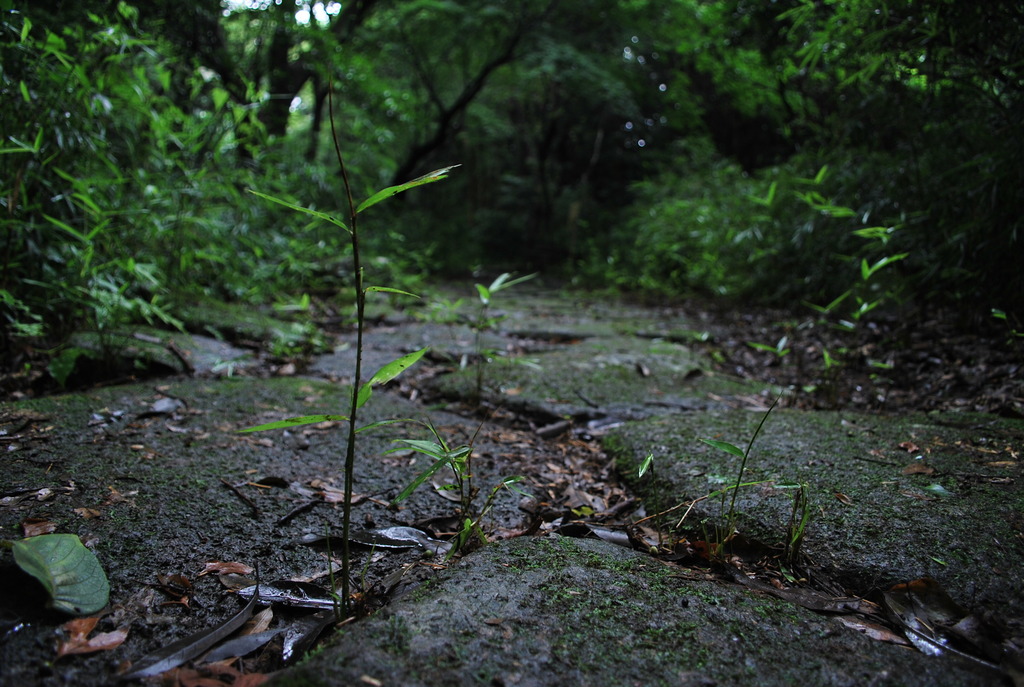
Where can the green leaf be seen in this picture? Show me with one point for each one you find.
(24, 92)
(510, 484)
(424, 446)
(420, 479)
(386, 193)
(387, 373)
(824, 310)
(768, 199)
(484, 293)
(875, 233)
(298, 208)
(63, 364)
(837, 211)
(71, 574)
(505, 281)
(388, 289)
(365, 391)
(295, 422)
(220, 96)
(382, 423)
(646, 465)
(724, 446)
(66, 227)
(866, 272)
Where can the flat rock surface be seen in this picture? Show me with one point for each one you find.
(571, 394)
(559, 611)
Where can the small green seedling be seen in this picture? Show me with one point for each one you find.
(459, 460)
(780, 350)
(485, 322)
(743, 455)
(645, 465)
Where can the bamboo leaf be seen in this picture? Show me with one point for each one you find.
(298, 208)
(396, 367)
(388, 289)
(725, 446)
(421, 478)
(386, 193)
(295, 422)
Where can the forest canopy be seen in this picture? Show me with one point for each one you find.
(844, 155)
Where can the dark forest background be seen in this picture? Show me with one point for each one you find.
(843, 156)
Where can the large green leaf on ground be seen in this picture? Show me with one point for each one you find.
(71, 574)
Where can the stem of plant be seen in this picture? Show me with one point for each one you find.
(743, 466)
(350, 450)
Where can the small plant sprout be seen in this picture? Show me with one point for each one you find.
(459, 460)
(485, 322)
(361, 391)
(1001, 315)
(780, 349)
(743, 455)
(645, 465)
(799, 517)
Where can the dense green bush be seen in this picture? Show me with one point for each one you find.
(797, 153)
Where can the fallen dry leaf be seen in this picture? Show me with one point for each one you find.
(117, 497)
(873, 630)
(918, 468)
(331, 494)
(909, 446)
(258, 623)
(216, 675)
(77, 641)
(88, 513)
(178, 588)
(33, 527)
(225, 567)
(843, 498)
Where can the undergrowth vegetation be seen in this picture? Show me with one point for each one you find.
(844, 156)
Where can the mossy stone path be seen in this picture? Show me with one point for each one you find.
(893, 499)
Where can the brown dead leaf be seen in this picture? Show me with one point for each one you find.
(216, 675)
(909, 446)
(77, 641)
(88, 513)
(918, 468)
(843, 498)
(224, 567)
(873, 630)
(117, 497)
(178, 588)
(258, 623)
(33, 527)
(332, 494)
